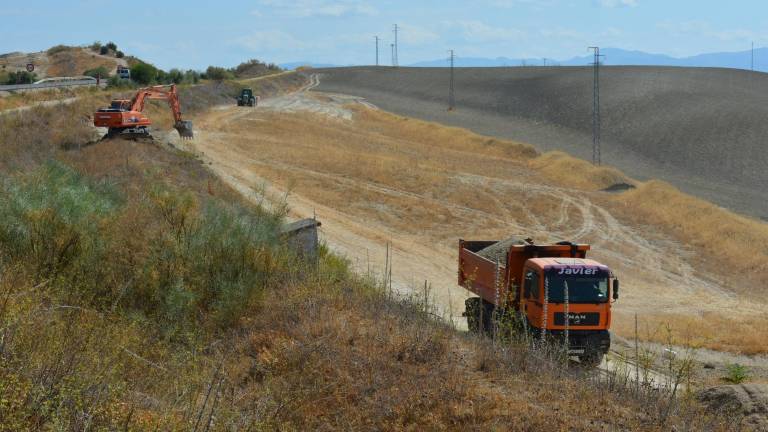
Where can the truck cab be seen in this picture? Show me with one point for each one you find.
(553, 289)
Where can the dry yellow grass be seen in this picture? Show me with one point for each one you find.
(736, 244)
(568, 171)
(75, 61)
(742, 334)
(18, 100)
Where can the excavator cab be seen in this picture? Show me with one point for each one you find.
(120, 104)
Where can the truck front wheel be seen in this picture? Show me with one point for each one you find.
(591, 360)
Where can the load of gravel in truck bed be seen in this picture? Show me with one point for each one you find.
(498, 251)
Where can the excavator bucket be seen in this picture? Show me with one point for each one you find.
(185, 129)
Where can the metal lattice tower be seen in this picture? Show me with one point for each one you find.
(596, 151)
(395, 59)
(392, 47)
(452, 85)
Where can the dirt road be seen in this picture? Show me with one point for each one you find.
(374, 179)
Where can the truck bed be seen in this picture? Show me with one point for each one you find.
(479, 274)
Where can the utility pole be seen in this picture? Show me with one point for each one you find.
(451, 90)
(396, 60)
(377, 50)
(392, 47)
(596, 156)
(752, 63)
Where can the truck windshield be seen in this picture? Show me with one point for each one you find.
(581, 288)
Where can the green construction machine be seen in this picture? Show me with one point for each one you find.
(247, 98)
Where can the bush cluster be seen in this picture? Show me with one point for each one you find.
(168, 256)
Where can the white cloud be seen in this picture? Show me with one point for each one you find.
(618, 3)
(270, 41)
(703, 29)
(414, 35)
(478, 31)
(315, 8)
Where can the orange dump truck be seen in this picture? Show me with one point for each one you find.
(539, 283)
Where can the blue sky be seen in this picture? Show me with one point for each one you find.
(194, 34)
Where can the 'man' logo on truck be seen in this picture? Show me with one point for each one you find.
(577, 271)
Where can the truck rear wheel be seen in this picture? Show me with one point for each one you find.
(479, 315)
(473, 314)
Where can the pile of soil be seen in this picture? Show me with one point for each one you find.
(748, 400)
(498, 251)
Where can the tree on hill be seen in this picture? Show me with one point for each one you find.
(111, 46)
(21, 77)
(58, 49)
(217, 73)
(144, 73)
(253, 68)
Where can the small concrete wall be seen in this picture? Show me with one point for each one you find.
(302, 237)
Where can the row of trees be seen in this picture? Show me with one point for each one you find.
(20, 77)
(147, 74)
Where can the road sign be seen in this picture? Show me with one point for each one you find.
(30, 67)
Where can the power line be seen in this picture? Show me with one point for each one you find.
(377, 50)
(452, 86)
(395, 59)
(596, 151)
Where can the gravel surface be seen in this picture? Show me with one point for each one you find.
(498, 251)
(703, 130)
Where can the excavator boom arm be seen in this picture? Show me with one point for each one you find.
(167, 93)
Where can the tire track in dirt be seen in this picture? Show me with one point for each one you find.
(657, 271)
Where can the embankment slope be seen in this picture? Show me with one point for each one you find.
(700, 129)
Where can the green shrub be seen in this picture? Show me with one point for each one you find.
(144, 73)
(103, 50)
(49, 220)
(111, 46)
(21, 77)
(736, 374)
(216, 260)
(58, 49)
(119, 54)
(96, 46)
(217, 73)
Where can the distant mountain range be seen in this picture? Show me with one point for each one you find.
(613, 57)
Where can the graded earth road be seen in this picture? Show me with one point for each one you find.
(703, 130)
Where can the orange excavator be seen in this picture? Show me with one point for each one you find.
(124, 118)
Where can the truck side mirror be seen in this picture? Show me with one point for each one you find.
(615, 289)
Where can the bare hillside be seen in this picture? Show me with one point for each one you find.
(701, 129)
(59, 61)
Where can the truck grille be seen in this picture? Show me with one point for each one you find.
(578, 318)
